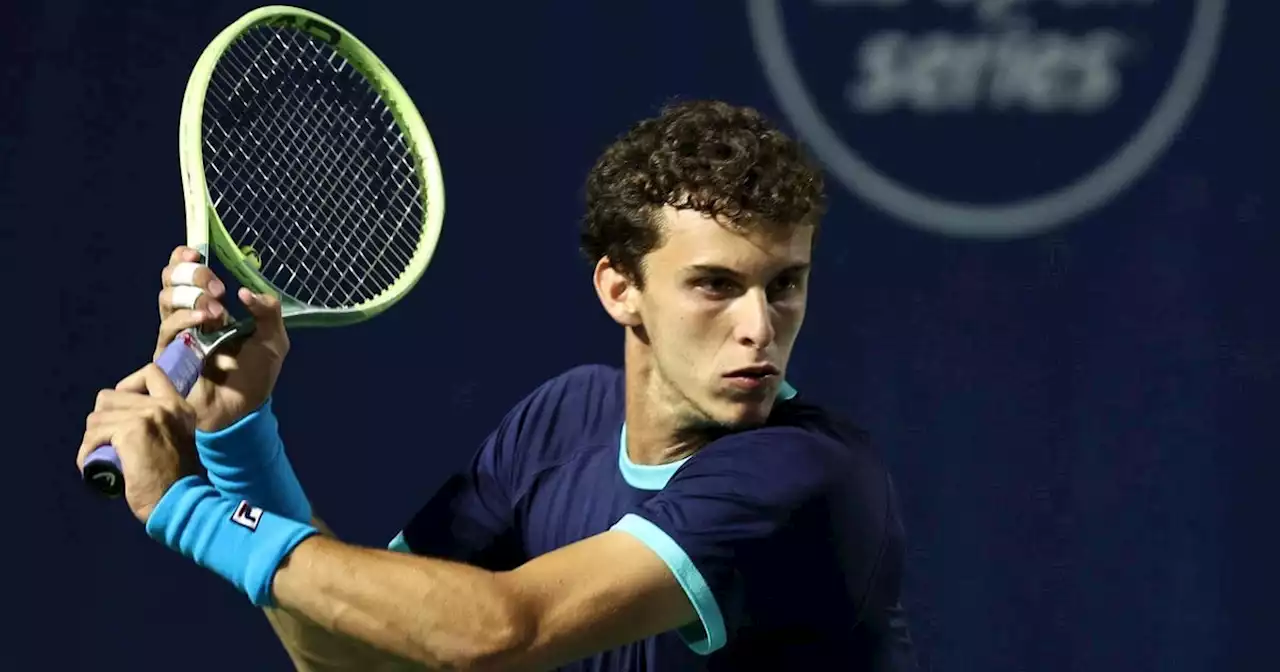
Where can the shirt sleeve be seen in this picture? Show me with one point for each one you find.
(470, 518)
(474, 518)
(722, 516)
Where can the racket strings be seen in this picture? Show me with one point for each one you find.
(326, 184)
(307, 166)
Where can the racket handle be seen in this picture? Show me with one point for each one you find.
(182, 363)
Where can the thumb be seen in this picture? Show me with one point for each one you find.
(158, 384)
(266, 311)
(151, 380)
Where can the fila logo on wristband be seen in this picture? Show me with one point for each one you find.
(247, 515)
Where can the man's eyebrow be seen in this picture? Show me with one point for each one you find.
(716, 269)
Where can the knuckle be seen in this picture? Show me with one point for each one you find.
(184, 296)
(176, 320)
(138, 428)
(153, 414)
(204, 277)
(166, 273)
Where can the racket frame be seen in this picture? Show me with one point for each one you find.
(204, 227)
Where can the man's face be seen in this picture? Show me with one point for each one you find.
(721, 309)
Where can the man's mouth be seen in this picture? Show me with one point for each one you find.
(752, 377)
(756, 371)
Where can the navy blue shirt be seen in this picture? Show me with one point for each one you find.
(786, 538)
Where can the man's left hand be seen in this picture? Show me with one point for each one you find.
(152, 428)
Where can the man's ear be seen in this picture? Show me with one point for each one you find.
(618, 293)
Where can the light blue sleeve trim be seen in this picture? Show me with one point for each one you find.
(786, 391)
(399, 544)
(644, 476)
(711, 636)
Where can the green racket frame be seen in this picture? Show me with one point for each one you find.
(205, 227)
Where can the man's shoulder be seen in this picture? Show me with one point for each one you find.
(811, 462)
(818, 424)
(587, 378)
(585, 389)
(805, 425)
(579, 407)
(802, 441)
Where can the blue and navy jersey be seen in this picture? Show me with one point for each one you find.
(785, 537)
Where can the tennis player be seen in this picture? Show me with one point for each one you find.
(691, 511)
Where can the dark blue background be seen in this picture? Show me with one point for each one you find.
(1080, 423)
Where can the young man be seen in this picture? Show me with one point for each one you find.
(691, 511)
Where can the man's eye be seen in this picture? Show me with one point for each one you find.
(717, 286)
(785, 286)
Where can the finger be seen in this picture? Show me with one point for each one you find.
(178, 322)
(183, 253)
(110, 417)
(112, 433)
(156, 383)
(123, 397)
(266, 311)
(194, 274)
(134, 384)
(173, 407)
(186, 297)
(99, 435)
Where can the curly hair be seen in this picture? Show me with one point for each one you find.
(722, 160)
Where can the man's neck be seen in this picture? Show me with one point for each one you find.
(653, 425)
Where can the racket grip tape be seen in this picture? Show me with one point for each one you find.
(182, 363)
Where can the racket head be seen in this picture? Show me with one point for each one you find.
(346, 205)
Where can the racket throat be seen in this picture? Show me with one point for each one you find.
(206, 342)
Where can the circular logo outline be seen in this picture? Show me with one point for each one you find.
(1028, 217)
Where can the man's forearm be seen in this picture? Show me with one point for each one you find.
(313, 648)
(439, 614)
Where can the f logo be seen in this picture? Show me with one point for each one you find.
(247, 515)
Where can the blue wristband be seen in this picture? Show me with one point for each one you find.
(247, 461)
(239, 542)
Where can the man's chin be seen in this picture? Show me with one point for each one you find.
(741, 415)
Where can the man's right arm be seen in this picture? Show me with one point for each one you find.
(247, 460)
(468, 519)
(453, 525)
(315, 649)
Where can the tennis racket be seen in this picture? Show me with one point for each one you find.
(310, 171)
